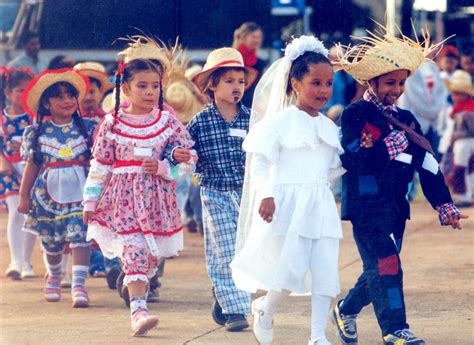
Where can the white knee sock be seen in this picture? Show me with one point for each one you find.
(270, 303)
(14, 230)
(29, 241)
(65, 262)
(319, 315)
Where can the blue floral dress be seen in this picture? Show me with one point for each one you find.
(56, 214)
(11, 129)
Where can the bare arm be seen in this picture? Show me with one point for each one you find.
(27, 182)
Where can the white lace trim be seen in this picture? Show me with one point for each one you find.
(53, 147)
(127, 170)
(140, 131)
(133, 278)
(162, 137)
(112, 244)
(63, 212)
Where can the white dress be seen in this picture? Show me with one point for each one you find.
(294, 156)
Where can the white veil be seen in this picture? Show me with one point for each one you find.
(270, 98)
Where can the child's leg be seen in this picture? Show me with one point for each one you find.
(15, 234)
(29, 241)
(319, 316)
(220, 223)
(80, 268)
(52, 289)
(269, 304)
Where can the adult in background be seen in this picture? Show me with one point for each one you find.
(30, 56)
(248, 39)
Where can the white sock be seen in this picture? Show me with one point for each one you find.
(14, 230)
(29, 241)
(79, 275)
(270, 303)
(319, 315)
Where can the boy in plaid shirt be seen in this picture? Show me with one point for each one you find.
(218, 132)
(383, 147)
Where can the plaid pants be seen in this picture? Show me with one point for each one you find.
(220, 214)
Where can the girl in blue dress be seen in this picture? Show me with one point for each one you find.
(13, 121)
(57, 152)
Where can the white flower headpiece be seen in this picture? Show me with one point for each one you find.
(303, 44)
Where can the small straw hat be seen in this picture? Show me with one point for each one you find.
(223, 57)
(381, 53)
(95, 70)
(142, 47)
(39, 84)
(460, 81)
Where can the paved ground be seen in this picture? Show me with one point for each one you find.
(439, 283)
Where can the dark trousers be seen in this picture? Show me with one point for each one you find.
(379, 242)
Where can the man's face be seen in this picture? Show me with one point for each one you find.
(33, 47)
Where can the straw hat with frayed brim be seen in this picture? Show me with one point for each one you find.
(97, 71)
(180, 96)
(381, 53)
(460, 81)
(39, 84)
(220, 58)
(141, 47)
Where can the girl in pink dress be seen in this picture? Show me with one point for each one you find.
(130, 195)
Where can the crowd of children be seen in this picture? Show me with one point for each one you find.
(177, 147)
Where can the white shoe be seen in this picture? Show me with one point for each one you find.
(264, 336)
(27, 272)
(66, 281)
(319, 341)
(14, 271)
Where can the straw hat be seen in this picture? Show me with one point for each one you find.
(180, 96)
(192, 71)
(145, 48)
(223, 57)
(381, 53)
(460, 81)
(42, 81)
(97, 71)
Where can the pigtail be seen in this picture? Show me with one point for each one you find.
(3, 97)
(160, 100)
(79, 122)
(35, 147)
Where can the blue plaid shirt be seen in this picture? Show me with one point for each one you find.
(218, 144)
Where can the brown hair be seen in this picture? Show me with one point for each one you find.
(244, 30)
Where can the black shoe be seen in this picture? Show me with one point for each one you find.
(192, 226)
(235, 322)
(111, 276)
(216, 311)
(123, 290)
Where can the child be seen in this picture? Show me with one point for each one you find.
(98, 85)
(14, 120)
(289, 225)
(462, 138)
(383, 147)
(219, 131)
(57, 154)
(130, 197)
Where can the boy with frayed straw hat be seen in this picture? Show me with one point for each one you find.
(218, 132)
(383, 147)
(462, 138)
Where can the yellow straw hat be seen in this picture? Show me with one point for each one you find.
(192, 71)
(97, 71)
(223, 57)
(145, 48)
(381, 53)
(460, 81)
(39, 84)
(179, 95)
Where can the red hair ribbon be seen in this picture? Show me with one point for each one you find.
(121, 67)
(6, 71)
(26, 70)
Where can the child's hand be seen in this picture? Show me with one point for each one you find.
(150, 166)
(366, 140)
(181, 155)
(455, 221)
(24, 205)
(6, 168)
(87, 216)
(267, 209)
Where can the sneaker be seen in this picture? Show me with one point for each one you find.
(192, 226)
(402, 337)
(235, 322)
(153, 296)
(52, 294)
(111, 276)
(27, 272)
(13, 272)
(216, 311)
(142, 323)
(346, 326)
(80, 298)
(66, 281)
(264, 336)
